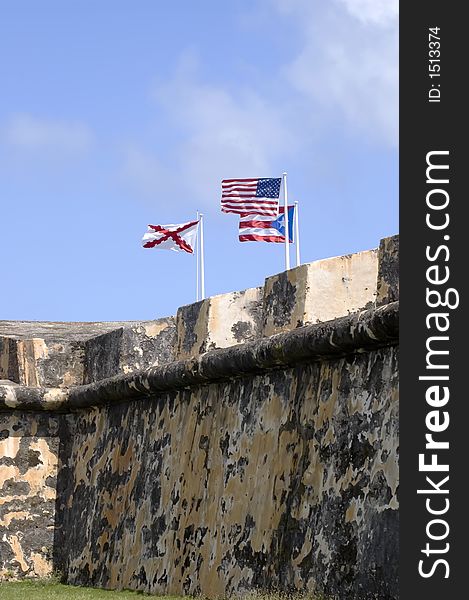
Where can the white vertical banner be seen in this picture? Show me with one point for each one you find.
(297, 235)
(287, 236)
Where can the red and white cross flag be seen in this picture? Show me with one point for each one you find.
(179, 237)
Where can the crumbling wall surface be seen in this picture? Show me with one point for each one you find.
(29, 457)
(286, 478)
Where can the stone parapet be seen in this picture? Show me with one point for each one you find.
(218, 322)
(319, 291)
(41, 354)
(45, 354)
(362, 331)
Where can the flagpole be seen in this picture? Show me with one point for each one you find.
(202, 264)
(197, 261)
(297, 235)
(287, 233)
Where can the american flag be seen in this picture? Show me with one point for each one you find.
(261, 228)
(243, 196)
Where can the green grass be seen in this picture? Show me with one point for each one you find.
(43, 590)
(46, 590)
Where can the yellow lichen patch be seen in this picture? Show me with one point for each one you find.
(7, 472)
(15, 545)
(10, 396)
(305, 550)
(109, 511)
(9, 447)
(329, 437)
(69, 378)
(358, 402)
(383, 291)
(14, 515)
(41, 566)
(154, 329)
(46, 467)
(55, 397)
(29, 351)
(351, 512)
(326, 409)
(313, 475)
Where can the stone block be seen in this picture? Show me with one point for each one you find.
(218, 322)
(319, 291)
(41, 362)
(130, 348)
(388, 271)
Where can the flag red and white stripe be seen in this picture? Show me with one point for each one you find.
(253, 195)
(262, 228)
(179, 237)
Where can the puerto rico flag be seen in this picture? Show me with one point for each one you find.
(261, 228)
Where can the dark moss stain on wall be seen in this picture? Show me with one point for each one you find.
(280, 302)
(242, 331)
(189, 316)
(102, 356)
(388, 271)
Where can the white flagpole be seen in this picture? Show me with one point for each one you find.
(297, 235)
(202, 264)
(197, 259)
(287, 236)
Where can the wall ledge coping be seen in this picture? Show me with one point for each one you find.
(358, 332)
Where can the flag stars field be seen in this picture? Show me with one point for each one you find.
(254, 195)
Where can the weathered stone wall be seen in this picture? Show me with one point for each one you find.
(249, 442)
(43, 354)
(286, 479)
(29, 457)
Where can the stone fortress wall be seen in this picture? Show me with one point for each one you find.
(249, 442)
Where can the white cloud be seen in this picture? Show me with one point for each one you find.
(352, 75)
(348, 64)
(226, 134)
(229, 135)
(27, 132)
(378, 12)
(344, 74)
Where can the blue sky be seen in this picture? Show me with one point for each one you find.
(115, 114)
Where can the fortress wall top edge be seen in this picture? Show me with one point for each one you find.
(47, 354)
(368, 330)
